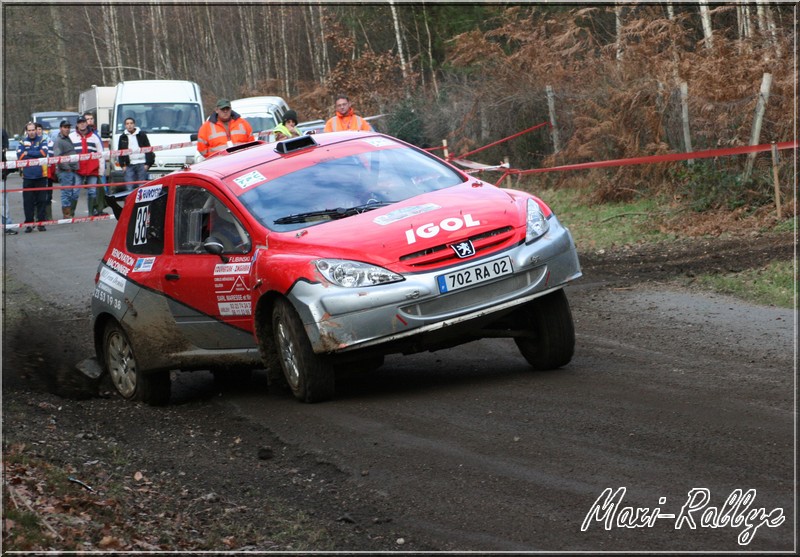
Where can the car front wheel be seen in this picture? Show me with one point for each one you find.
(551, 343)
(130, 382)
(310, 377)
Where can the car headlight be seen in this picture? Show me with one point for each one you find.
(537, 223)
(352, 274)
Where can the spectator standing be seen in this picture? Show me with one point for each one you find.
(89, 171)
(345, 118)
(67, 171)
(31, 147)
(287, 130)
(225, 128)
(134, 165)
(48, 171)
(100, 198)
(6, 172)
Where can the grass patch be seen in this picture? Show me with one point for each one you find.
(770, 285)
(606, 225)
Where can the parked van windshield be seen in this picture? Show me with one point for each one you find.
(161, 118)
(261, 122)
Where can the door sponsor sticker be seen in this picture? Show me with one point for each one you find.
(144, 264)
(120, 261)
(112, 279)
(232, 268)
(148, 193)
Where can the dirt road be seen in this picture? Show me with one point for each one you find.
(675, 400)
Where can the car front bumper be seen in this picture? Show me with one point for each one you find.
(341, 319)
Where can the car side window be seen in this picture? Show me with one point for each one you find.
(146, 226)
(200, 215)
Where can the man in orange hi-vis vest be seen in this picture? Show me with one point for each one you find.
(345, 119)
(225, 128)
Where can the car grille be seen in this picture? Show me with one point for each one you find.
(475, 297)
(442, 254)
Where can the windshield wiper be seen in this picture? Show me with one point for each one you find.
(337, 213)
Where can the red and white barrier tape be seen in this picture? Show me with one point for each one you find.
(88, 156)
(711, 153)
(58, 221)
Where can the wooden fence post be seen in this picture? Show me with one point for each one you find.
(776, 180)
(755, 135)
(687, 137)
(551, 106)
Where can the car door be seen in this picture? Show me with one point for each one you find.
(209, 294)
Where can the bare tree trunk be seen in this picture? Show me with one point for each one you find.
(326, 62)
(285, 52)
(60, 68)
(705, 17)
(90, 26)
(137, 48)
(108, 24)
(770, 28)
(252, 50)
(618, 23)
(398, 36)
(313, 52)
(430, 53)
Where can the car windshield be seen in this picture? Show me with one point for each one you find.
(340, 187)
(161, 118)
(261, 122)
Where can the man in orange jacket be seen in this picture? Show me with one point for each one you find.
(225, 128)
(345, 119)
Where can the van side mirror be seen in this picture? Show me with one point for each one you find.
(105, 131)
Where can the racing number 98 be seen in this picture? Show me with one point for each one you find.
(140, 230)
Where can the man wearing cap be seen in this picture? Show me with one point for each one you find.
(89, 171)
(225, 128)
(66, 170)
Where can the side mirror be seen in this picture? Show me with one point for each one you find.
(105, 131)
(214, 246)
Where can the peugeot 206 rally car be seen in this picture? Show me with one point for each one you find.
(320, 253)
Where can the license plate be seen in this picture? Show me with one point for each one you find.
(474, 275)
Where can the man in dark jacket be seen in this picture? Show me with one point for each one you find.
(33, 147)
(134, 165)
(67, 171)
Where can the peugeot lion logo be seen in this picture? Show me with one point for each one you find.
(463, 249)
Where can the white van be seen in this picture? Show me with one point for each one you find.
(263, 113)
(168, 111)
(100, 102)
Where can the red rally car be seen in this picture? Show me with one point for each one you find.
(320, 253)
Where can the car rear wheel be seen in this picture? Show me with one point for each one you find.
(310, 377)
(552, 341)
(130, 382)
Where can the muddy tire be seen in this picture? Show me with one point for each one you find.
(552, 341)
(310, 377)
(130, 382)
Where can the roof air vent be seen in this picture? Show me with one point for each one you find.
(295, 144)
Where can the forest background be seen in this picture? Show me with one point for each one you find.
(468, 73)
